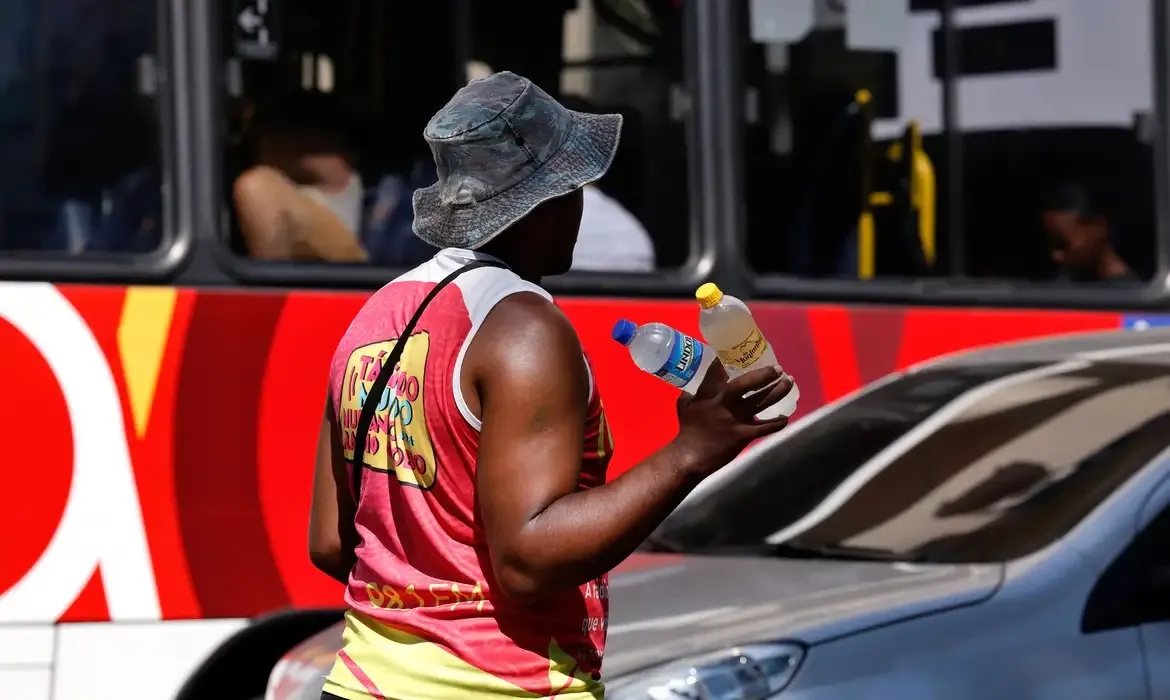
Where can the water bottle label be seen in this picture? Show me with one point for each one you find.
(684, 361)
(746, 353)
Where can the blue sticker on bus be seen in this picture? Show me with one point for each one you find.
(1143, 322)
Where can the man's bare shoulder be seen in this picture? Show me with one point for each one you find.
(527, 332)
(528, 314)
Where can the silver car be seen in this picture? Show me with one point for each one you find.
(989, 525)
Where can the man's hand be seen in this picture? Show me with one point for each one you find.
(718, 422)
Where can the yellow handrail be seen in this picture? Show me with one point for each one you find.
(923, 194)
(866, 236)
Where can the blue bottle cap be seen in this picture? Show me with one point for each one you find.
(623, 331)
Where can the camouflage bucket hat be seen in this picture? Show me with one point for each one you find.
(503, 146)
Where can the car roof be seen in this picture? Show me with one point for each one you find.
(1151, 346)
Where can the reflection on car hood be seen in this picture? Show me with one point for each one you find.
(672, 606)
(664, 607)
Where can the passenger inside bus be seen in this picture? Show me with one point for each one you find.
(302, 199)
(610, 238)
(1079, 236)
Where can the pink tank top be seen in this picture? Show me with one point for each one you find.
(423, 620)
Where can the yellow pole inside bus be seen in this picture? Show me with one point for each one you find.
(922, 193)
(866, 236)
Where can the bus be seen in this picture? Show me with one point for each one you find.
(869, 175)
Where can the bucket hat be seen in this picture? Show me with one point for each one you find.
(502, 146)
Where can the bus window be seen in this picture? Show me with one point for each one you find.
(1056, 116)
(626, 57)
(325, 145)
(79, 128)
(847, 157)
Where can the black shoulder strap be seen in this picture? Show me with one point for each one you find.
(387, 369)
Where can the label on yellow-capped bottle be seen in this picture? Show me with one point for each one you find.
(745, 353)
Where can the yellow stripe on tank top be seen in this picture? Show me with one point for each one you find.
(403, 666)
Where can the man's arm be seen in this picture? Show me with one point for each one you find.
(332, 531)
(543, 534)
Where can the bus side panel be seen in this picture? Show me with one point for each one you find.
(160, 441)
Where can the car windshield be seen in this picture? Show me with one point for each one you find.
(950, 464)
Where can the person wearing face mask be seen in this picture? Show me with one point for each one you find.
(302, 199)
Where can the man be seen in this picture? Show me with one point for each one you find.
(476, 553)
(1078, 233)
(303, 199)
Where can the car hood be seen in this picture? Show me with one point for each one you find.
(665, 607)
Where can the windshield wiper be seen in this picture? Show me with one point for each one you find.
(795, 549)
(801, 550)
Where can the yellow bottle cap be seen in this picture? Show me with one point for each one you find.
(708, 295)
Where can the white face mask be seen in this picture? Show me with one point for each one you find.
(345, 204)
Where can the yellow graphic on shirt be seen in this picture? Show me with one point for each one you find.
(398, 440)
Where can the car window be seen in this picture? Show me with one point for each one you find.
(1133, 589)
(949, 464)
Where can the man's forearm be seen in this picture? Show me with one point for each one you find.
(585, 534)
(337, 565)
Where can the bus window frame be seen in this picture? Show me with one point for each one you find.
(175, 248)
(956, 291)
(673, 282)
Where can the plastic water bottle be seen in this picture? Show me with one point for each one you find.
(676, 358)
(728, 327)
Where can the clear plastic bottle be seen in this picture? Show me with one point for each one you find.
(674, 357)
(728, 327)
